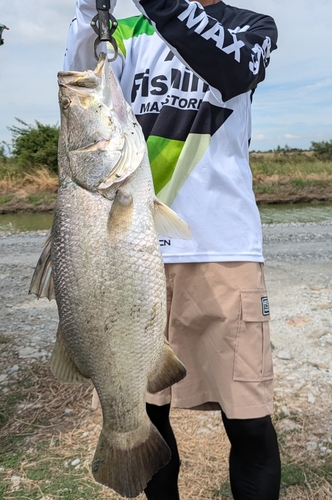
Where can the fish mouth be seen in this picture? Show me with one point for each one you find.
(74, 80)
(89, 81)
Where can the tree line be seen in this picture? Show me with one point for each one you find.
(37, 145)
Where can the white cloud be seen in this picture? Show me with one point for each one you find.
(290, 136)
(258, 137)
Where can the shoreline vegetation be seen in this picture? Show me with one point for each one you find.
(279, 177)
(29, 181)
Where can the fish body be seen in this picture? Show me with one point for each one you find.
(107, 274)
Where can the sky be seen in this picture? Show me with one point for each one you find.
(292, 107)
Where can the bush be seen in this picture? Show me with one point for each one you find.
(36, 145)
(3, 154)
(322, 150)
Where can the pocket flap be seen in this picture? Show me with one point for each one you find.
(255, 305)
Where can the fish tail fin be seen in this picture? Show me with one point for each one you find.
(169, 371)
(128, 468)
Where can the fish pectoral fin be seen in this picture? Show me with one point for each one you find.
(42, 280)
(61, 364)
(168, 372)
(120, 215)
(168, 223)
(127, 468)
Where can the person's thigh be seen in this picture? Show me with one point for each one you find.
(218, 325)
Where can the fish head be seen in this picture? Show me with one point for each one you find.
(101, 142)
(86, 108)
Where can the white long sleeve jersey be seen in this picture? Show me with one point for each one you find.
(189, 74)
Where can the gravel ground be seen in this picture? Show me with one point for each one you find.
(299, 279)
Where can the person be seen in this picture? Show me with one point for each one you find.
(189, 71)
(2, 28)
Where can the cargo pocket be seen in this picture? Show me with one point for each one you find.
(253, 360)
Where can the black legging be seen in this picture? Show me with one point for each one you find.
(164, 484)
(254, 462)
(254, 458)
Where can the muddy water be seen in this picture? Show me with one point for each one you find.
(17, 223)
(299, 212)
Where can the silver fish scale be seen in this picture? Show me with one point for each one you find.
(110, 290)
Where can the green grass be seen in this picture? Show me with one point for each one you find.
(225, 491)
(39, 199)
(293, 474)
(5, 199)
(47, 473)
(12, 168)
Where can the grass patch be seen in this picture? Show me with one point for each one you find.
(294, 164)
(46, 473)
(33, 181)
(324, 471)
(292, 474)
(39, 199)
(224, 492)
(278, 176)
(5, 199)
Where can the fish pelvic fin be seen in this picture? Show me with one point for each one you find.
(168, 223)
(42, 283)
(61, 364)
(168, 372)
(128, 469)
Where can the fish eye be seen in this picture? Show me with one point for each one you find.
(65, 102)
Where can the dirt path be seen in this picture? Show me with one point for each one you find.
(299, 278)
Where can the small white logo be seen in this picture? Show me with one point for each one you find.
(265, 306)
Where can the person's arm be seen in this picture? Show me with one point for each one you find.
(79, 54)
(231, 57)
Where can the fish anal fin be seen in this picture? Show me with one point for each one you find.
(169, 371)
(61, 364)
(168, 223)
(127, 469)
(42, 280)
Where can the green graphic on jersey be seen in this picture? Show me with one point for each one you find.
(130, 28)
(163, 156)
(177, 141)
(166, 154)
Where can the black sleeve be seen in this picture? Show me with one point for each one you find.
(229, 49)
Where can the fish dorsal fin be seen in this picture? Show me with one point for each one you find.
(61, 364)
(168, 223)
(42, 280)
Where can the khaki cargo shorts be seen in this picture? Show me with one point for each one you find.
(218, 325)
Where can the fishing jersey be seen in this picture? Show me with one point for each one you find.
(189, 74)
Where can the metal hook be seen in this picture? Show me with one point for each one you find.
(101, 26)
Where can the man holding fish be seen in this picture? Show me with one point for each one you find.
(189, 71)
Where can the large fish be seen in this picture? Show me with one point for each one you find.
(103, 264)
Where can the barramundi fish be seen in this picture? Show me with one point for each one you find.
(103, 265)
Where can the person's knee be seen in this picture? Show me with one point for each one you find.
(250, 435)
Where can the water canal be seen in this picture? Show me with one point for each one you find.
(270, 214)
